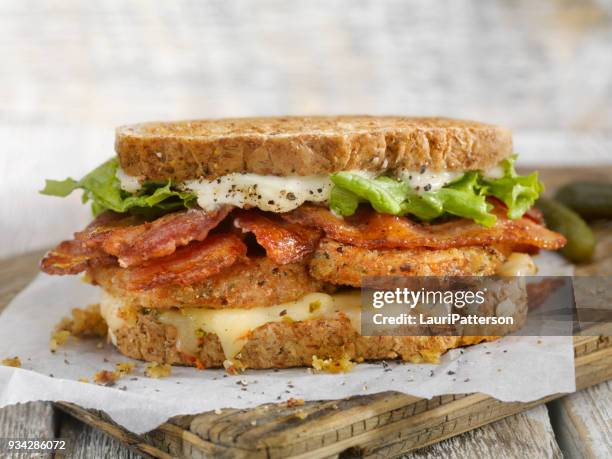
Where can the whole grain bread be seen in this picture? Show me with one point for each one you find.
(282, 146)
(283, 344)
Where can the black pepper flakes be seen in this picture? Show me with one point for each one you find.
(427, 187)
(423, 169)
(291, 196)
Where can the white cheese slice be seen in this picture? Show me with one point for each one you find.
(232, 326)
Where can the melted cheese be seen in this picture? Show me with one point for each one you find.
(518, 264)
(232, 326)
(109, 310)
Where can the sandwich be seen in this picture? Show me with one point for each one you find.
(243, 243)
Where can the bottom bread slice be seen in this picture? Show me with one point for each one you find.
(282, 344)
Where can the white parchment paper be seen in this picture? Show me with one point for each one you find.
(511, 369)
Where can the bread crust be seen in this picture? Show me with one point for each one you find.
(185, 150)
(284, 344)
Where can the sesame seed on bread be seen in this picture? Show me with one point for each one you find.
(185, 150)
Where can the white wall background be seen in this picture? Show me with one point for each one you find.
(72, 70)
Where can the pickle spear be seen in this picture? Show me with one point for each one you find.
(580, 239)
(589, 199)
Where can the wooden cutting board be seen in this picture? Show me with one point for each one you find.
(385, 424)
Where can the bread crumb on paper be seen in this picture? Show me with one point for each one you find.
(83, 323)
(233, 367)
(125, 368)
(109, 378)
(295, 402)
(342, 365)
(106, 377)
(158, 370)
(58, 338)
(14, 362)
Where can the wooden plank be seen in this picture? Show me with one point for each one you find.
(35, 420)
(89, 441)
(526, 434)
(115, 440)
(584, 422)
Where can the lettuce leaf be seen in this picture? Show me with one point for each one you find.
(464, 197)
(519, 193)
(102, 187)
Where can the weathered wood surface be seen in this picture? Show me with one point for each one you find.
(527, 434)
(584, 421)
(89, 442)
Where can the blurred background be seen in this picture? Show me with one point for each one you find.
(70, 71)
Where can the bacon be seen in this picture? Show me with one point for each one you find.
(133, 240)
(535, 215)
(373, 230)
(72, 257)
(285, 242)
(187, 265)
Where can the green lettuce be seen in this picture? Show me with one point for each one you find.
(519, 193)
(464, 197)
(102, 187)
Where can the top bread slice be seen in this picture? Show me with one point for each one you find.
(282, 146)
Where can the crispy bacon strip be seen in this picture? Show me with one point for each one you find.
(192, 263)
(134, 241)
(72, 257)
(373, 230)
(285, 242)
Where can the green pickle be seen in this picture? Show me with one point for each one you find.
(589, 199)
(580, 239)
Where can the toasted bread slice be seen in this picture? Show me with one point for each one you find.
(284, 146)
(283, 344)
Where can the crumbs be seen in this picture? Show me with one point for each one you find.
(342, 365)
(158, 370)
(84, 323)
(14, 362)
(233, 367)
(109, 378)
